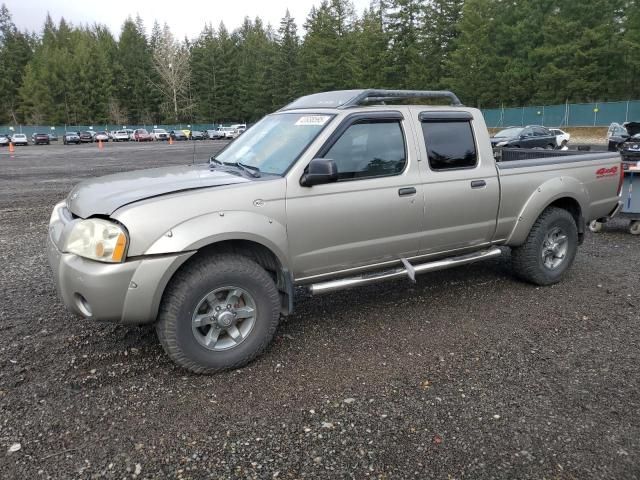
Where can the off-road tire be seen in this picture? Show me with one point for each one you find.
(189, 285)
(527, 259)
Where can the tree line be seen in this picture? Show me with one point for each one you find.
(490, 52)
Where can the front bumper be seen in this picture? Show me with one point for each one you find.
(128, 292)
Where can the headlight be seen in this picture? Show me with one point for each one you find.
(99, 240)
(501, 144)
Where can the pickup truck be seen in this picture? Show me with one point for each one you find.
(333, 191)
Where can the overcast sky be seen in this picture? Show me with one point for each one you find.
(184, 17)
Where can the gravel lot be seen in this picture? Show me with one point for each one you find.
(468, 374)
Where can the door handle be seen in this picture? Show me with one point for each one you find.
(405, 192)
(478, 184)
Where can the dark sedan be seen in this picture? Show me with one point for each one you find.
(177, 135)
(525, 137)
(86, 137)
(40, 139)
(198, 135)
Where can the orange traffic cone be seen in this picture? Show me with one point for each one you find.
(170, 140)
(11, 147)
(100, 146)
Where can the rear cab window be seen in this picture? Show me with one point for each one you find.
(449, 140)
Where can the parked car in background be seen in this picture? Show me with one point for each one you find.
(141, 135)
(70, 137)
(53, 137)
(86, 136)
(120, 136)
(160, 134)
(4, 140)
(562, 137)
(197, 135)
(19, 139)
(101, 137)
(187, 133)
(240, 128)
(225, 132)
(217, 133)
(618, 134)
(178, 135)
(531, 136)
(130, 132)
(626, 140)
(40, 138)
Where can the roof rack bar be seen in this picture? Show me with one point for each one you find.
(373, 95)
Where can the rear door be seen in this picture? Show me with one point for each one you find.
(460, 182)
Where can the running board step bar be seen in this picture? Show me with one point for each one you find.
(369, 278)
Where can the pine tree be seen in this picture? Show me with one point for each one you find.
(288, 81)
(15, 53)
(372, 50)
(473, 66)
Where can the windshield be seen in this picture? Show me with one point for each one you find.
(275, 142)
(509, 132)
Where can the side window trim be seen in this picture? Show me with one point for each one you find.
(354, 118)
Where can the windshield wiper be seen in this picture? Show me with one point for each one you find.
(214, 162)
(253, 171)
(248, 169)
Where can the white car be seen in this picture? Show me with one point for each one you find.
(101, 136)
(160, 134)
(4, 140)
(19, 139)
(121, 136)
(562, 137)
(229, 132)
(239, 128)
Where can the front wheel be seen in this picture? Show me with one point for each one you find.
(634, 227)
(549, 250)
(219, 312)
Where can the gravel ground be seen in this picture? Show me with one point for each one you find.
(468, 374)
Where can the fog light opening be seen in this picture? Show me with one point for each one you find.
(83, 305)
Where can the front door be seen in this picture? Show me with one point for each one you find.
(372, 214)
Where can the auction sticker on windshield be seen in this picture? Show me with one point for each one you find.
(316, 120)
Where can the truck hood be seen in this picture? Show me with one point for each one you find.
(104, 195)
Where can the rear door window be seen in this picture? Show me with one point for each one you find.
(450, 144)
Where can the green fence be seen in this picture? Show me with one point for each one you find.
(60, 129)
(600, 114)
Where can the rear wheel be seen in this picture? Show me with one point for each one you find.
(634, 227)
(219, 312)
(549, 249)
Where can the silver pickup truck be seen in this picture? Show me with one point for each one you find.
(335, 190)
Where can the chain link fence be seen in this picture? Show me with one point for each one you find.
(599, 114)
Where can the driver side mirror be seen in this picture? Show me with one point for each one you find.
(320, 171)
